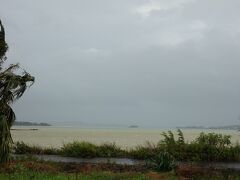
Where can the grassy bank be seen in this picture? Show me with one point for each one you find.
(206, 147)
(50, 176)
(38, 170)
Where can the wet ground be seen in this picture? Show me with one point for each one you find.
(127, 161)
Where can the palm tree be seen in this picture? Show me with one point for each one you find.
(12, 87)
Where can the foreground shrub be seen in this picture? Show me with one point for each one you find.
(146, 151)
(110, 150)
(214, 140)
(206, 147)
(163, 162)
(23, 148)
(79, 149)
(176, 147)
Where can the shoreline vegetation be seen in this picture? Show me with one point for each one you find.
(159, 160)
(206, 147)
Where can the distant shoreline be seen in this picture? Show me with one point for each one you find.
(23, 123)
(230, 127)
(14, 129)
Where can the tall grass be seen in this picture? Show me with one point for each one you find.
(89, 150)
(79, 149)
(146, 151)
(23, 148)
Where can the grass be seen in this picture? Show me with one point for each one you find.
(34, 175)
(206, 147)
(48, 176)
(146, 151)
(79, 149)
(37, 170)
(23, 148)
(110, 176)
(88, 150)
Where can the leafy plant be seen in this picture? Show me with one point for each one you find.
(163, 162)
(181, 140)
(12, 87)
(213, 139)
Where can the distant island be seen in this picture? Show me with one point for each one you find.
(22, 123)
(133, 126)
(230, 127)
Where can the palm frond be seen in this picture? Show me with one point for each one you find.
(12, 87)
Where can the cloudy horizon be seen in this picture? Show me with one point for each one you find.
(153, 63)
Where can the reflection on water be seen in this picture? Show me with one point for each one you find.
(56, 136)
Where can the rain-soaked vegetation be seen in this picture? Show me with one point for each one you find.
(206, 147)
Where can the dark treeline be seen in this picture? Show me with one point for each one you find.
(22, 123)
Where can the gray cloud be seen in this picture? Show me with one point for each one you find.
(148, 62)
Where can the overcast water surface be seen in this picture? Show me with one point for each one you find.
(124, 137)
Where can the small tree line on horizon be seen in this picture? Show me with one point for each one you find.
(12, 87)
(26, 123)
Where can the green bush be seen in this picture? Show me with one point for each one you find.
(214, 140)
(206, 147)
(79, 149)
(146, 151)
(176, 147)
(109, 150)
(163, 162)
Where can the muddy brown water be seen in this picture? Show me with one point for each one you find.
(126, 138)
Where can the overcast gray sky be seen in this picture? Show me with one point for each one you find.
(154, 63)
